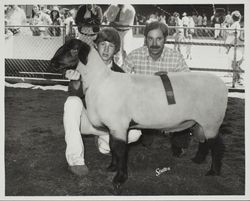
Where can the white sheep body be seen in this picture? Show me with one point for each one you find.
(114, 99)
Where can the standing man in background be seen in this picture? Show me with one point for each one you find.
(122, 15)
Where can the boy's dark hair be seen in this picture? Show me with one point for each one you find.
(111, 35)
(156, 25)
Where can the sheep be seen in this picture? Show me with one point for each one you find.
(121, 101)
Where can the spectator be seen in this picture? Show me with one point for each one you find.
(236, 63)
(46, 11)
(15, 16)
(7, 33)
(179, 32)
(226, 24)
(142, 21)
(152, 18)
(120, 17)
(171, 22)
(185, 22)
(88, 19)
(191, 25)
(75, 119)
(162, 18)
(189, 37)
(204, 23)
(56, 20)
(231, 35)
(135, 31)
(62, 12)
(69, 22)
(195, 18)
(228, 19)
(39, 18)
(199, 24)
(217, 20)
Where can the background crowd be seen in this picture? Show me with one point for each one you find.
(59, 15)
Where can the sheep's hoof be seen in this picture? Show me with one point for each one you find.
(212, 173)
(119, 179)
(117, 183)
(111, 168)
(117, 189)
(199, 159)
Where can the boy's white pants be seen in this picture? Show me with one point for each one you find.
(76, 123)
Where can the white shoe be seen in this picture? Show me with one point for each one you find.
(102, 145)
(79, 170)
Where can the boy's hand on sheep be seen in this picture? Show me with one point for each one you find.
(72, 75)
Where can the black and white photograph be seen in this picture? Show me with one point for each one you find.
(134, 101)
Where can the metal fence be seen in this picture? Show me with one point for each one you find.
(28, 50)
(27, 53)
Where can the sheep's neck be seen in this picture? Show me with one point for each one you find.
(97, 69)
(92, 72)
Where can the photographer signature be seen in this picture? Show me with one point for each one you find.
(159, 171)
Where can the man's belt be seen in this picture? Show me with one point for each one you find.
(167, 86)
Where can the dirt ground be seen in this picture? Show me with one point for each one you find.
(35, 163)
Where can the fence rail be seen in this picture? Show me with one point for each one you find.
(26, 53)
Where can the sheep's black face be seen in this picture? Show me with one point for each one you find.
(66, 57)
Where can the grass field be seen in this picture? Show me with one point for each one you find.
(35, 163)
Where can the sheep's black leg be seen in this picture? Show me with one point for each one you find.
(202, 152)
(217, 151)
(180, 140)
(120, 154)
(113, 165)
(147, 137)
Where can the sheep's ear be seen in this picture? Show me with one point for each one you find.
(64, 48)
(83, 53)
(59, 52)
